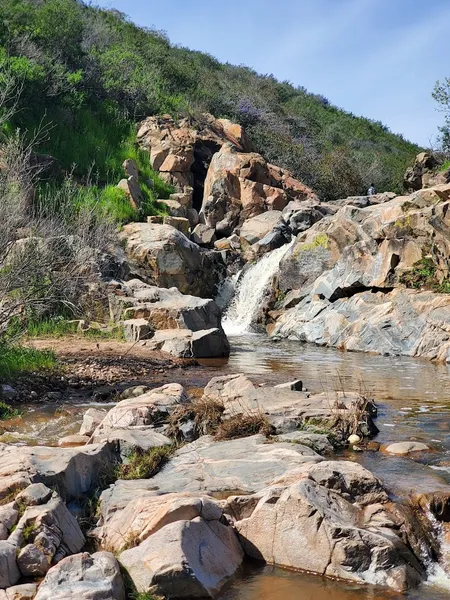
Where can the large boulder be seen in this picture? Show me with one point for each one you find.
(208, 343)
(162, 308)
(185, 559)
(163, 256)
(72, 471)
(310, 525)
(253, 230)
(90, 577)
(240, 186)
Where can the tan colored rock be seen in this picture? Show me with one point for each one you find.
(254, 229)
(174, 208)
(203, 235)
(162, 256)
(91, 419)
(132, 190)
(131, 169)
(185, 559)
(180, 223)
(26, 591)
(70, 441)
(136, 330)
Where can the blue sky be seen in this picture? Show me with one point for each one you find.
(377, 58)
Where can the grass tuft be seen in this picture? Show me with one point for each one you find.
(15, 360)
(145, 464)
(243, 425)
(206, 415)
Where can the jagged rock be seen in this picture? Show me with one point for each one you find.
(163, 308)
(413, 179)
(185, 559)
(155, 219)
(132, 190)
(350, 268)
(204, 343)
(34, 495)
(162, 256)
(180, 223)
(91, 419)
(151, 407)
(9, 515)
(184, 198)
(239, 186)
(311, 526)
(70, 470)
(203, 235)
(91, 577)
(406, 448)
(136, 330)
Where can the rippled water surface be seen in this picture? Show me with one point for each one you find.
(413, 397)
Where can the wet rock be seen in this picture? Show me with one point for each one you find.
(307, 525)
(185, 559)
(91, 577)
(295, 386)
(406, 448)
(7, 392)
(91, 419)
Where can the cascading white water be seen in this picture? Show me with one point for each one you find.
(250, 292)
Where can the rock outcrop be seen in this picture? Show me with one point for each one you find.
(354, 275)
(334, 521)
(425, 173)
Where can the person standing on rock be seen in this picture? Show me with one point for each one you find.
(371, 191)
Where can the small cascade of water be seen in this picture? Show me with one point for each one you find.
(250, 292)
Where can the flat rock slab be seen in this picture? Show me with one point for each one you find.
(131, 438)
(221, 468)
(239, 395)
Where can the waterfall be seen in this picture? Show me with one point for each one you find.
(250, 291)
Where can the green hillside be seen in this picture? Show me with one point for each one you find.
(88, 75)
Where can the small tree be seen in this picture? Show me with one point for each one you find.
(441, 94)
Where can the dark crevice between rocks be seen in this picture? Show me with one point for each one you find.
(353, 290)
(203, 153)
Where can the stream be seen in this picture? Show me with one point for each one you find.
(413, 398)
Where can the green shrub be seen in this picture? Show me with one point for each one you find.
(7, 412)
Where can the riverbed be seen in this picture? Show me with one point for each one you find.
(413, 399)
